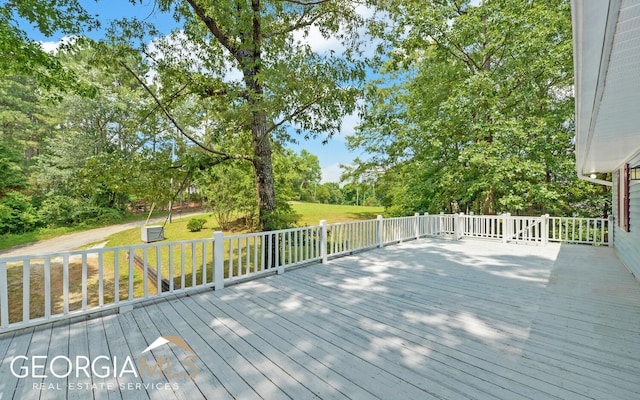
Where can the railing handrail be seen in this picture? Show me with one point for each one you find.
(263, 233)
(72, 253)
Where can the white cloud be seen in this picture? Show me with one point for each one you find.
(349, 123)
(318, 42)
(52, 47)
(177, 46)
(233, 74)
(331, 173)
(321, 44)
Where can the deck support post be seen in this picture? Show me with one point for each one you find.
(323, 241)
(218, 260)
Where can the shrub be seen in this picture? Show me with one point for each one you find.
(196, 224)
(90, 214)
(58, 210)
(283, 217)
(17, 214)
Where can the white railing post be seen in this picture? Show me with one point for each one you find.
(610, 231)
(218, 260)
(416, 224)
(26, 281)
(47, 287)
(4, 296)
(284, 258)
(506, 223)
(456, 226)
(379, 231)
(544, 229)
(547, 218)
(427, 224)
(323, 241)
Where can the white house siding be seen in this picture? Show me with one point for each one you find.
(627, 244)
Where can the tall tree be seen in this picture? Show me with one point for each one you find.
(474, 111)
(253, 77)
(24, 119)
(106, 149)
(12, 177)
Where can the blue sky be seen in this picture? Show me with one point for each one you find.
(330, 154)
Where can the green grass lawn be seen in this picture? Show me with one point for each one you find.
(310, 214)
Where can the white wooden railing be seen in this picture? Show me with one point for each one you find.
(48, 287)
(580, 230)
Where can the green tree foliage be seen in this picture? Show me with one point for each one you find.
(106, 150)
(474, 110)
(17, 213)
(91, 155)
(229, 191)
(296, 175)
(11, 177)
(20, 54)
(24, 119)
(248, 75)
(329, 193)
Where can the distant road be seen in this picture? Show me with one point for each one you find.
(74, 240)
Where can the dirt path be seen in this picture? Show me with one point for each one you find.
(78, 239)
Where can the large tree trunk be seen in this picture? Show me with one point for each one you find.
(263, 170)
(250, 57)
(264, 181)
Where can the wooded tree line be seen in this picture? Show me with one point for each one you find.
(89, 160)
(471, 109)
(474, 110)
(136, 114)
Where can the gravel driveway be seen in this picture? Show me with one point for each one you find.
(74, 240)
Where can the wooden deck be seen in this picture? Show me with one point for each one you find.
(419, 320)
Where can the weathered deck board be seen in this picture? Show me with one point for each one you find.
(214, 364)
(306, 360)
(419, 320)
(18, 346)
(78, 347)
(189, 390)
(397, 354)
(297, 384)
(118, 344)
(58, 346)
(39, 345)
(486, 361)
